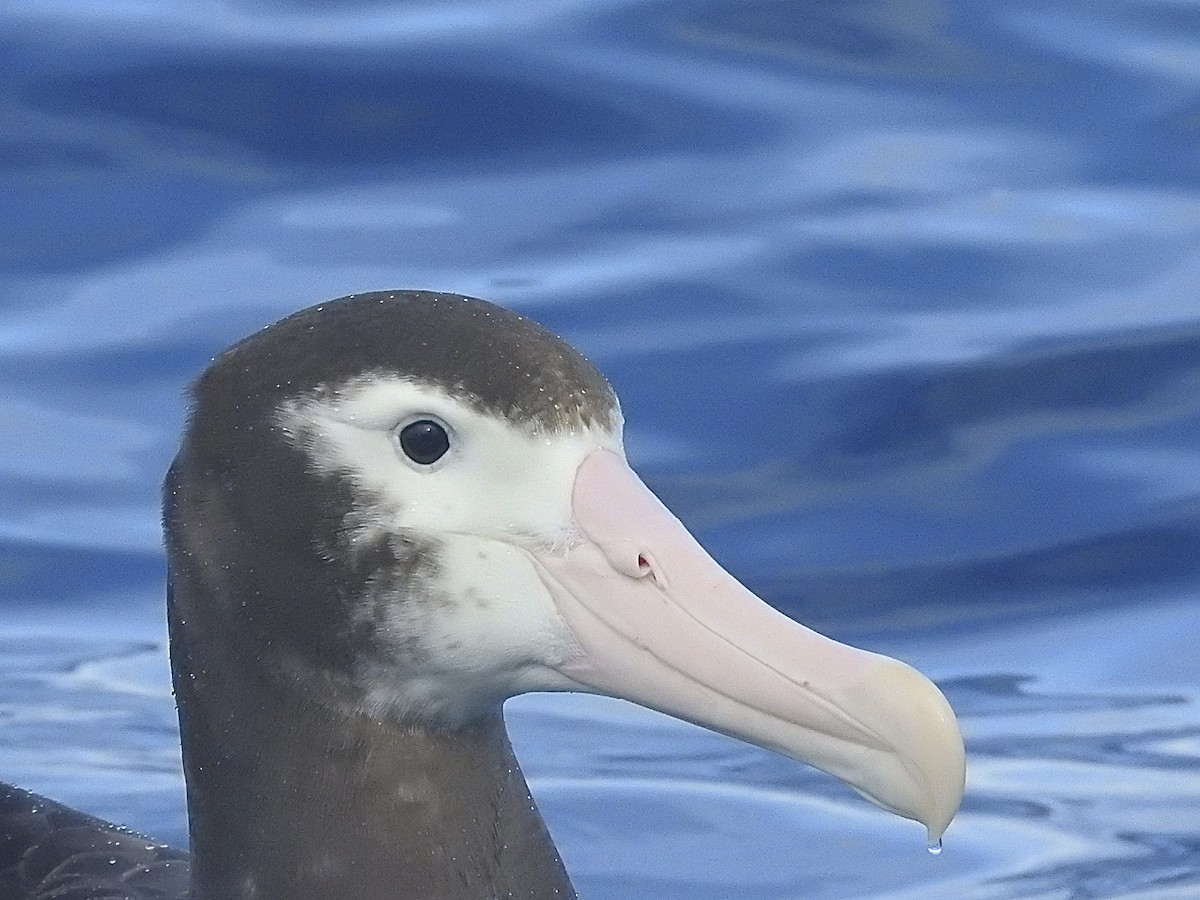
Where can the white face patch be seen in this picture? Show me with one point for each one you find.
(484, 627)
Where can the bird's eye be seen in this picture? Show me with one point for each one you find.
(424, 441)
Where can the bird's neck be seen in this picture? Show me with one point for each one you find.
(292, 793)
(290, 800)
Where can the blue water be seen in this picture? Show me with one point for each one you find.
(902, 300)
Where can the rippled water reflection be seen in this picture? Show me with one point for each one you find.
(900, 298)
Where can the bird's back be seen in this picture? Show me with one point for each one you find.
(52, 852)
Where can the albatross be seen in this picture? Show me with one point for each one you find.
(390, 513)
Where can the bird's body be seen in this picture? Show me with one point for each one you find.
(47, 849)
(390, 513)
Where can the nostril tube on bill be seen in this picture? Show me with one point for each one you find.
(630, 560)
(648, 569)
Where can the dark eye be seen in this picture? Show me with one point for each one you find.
(424, 441)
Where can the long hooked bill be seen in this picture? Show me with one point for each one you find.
(660, 623)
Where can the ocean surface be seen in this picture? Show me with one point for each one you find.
(902, 299)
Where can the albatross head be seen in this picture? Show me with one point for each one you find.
(433, 513)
